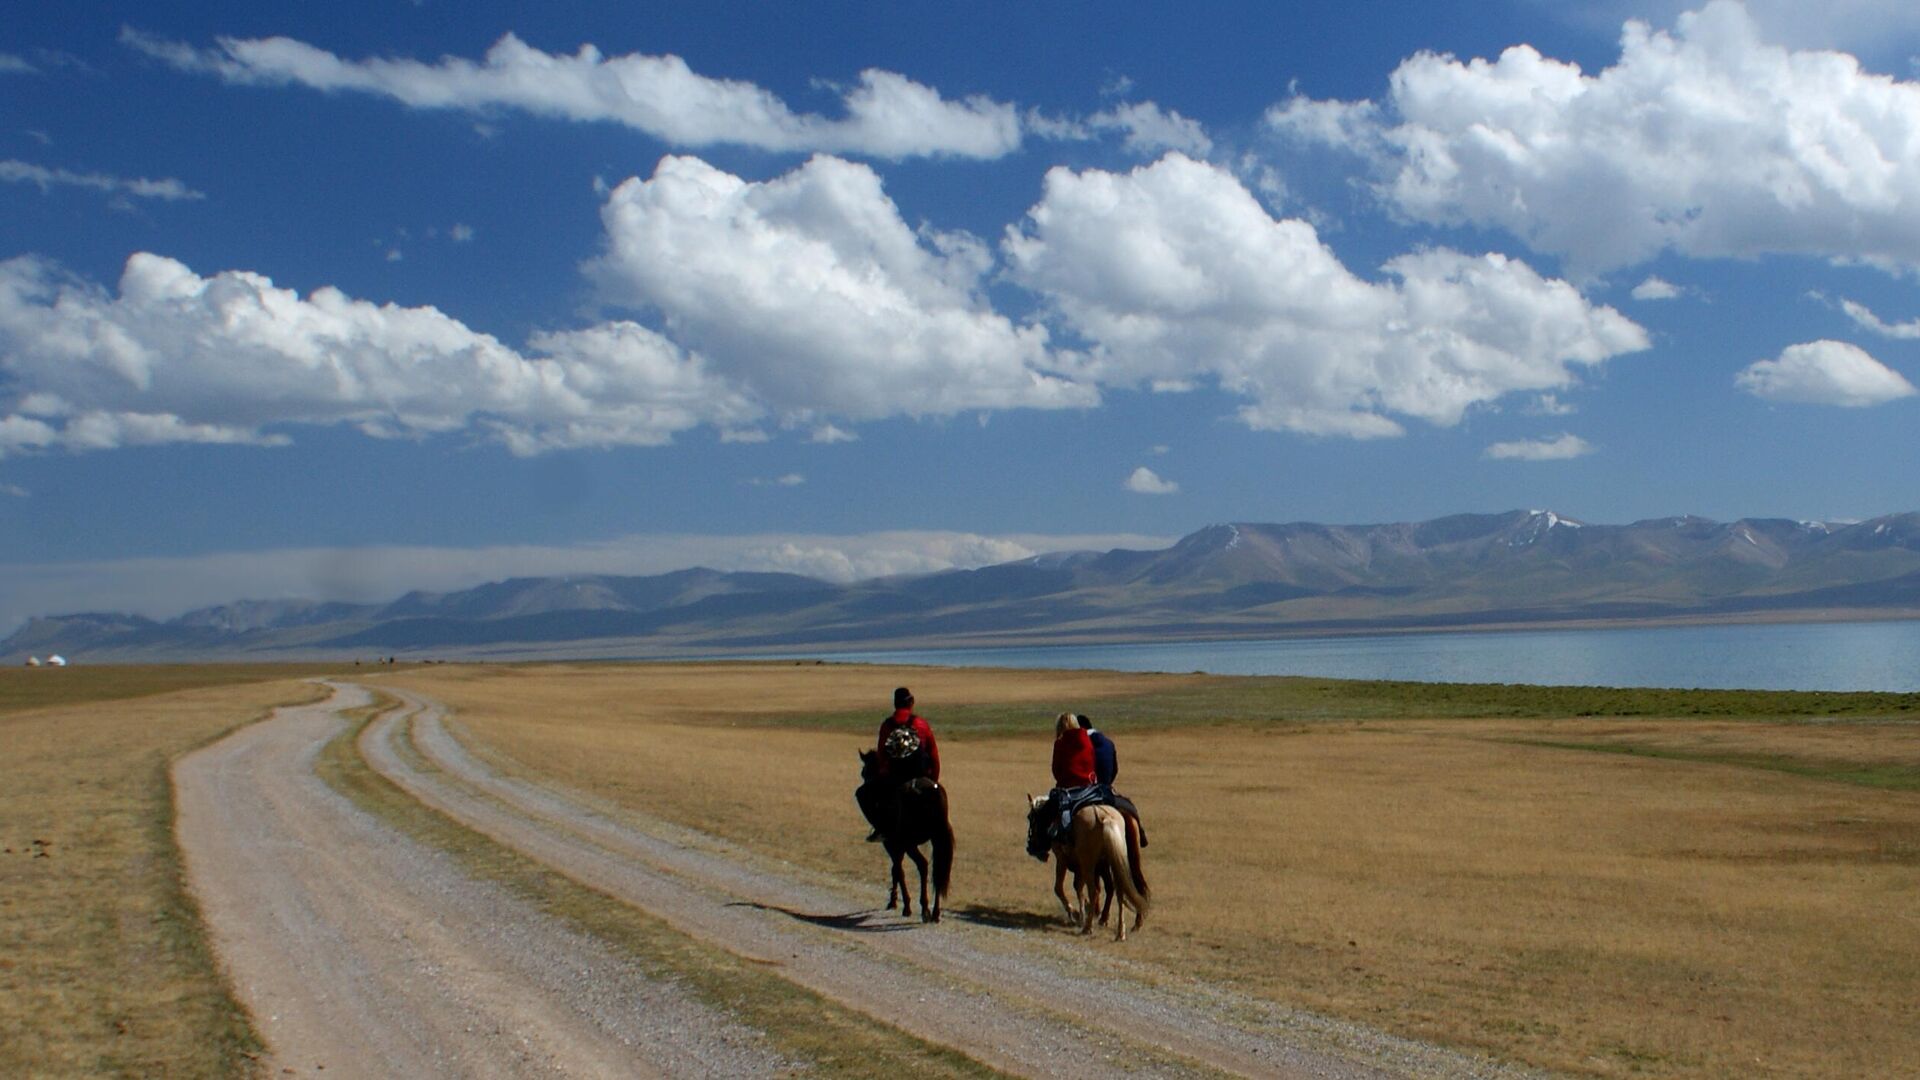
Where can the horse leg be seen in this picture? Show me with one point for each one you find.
(1060, 886)
(1089, 890)
(1106, 879)
(920, 864)
(1089, 877)
(1086, 850)
(896, 881)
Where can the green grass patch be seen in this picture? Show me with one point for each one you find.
(1267, 701)
(1890, 777)
(803, 1026)
(39, 688)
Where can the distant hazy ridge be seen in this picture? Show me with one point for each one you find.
(1223, 581)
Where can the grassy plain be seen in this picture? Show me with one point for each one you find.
(39, 688)
(104, 969)
(1607, 882)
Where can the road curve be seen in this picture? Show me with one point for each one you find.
(362, 953)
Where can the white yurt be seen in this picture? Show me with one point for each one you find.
(57, 660)
(33, 661)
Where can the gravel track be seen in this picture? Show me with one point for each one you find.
(361, 953)
(1025, 1003)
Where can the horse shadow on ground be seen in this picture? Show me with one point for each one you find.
(858, 922)
(876, 921)
(1004, 918)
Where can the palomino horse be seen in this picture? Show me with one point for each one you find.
(1102, 847)
(921, 818)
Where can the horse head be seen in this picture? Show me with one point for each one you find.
(869, 764)
(1037, 845)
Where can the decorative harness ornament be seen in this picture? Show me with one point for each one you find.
(902, 743)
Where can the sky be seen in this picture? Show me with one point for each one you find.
(335, 301)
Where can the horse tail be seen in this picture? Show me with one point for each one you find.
(1138, 872)
(942, 849)
(1123, 849)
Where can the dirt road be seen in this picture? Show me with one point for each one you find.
(331, 924)
(362, 954)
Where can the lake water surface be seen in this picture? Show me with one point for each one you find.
(1801, 656)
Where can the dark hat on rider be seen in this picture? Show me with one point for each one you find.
(903, 698)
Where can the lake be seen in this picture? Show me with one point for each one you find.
(1797, 656)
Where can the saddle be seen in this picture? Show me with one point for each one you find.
(1043, 824)
(1072, 799)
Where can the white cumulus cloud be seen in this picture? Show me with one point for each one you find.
(1825, 373)
(887, 115)
(1704, 140)
(1560, 448)
(1175, 273)
(176, 357)
(1145, 481)
(811, 289)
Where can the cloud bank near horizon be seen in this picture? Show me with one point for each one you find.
(161, 588)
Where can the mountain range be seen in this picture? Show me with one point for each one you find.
(1526, 567)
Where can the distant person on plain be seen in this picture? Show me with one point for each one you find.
(907, 751)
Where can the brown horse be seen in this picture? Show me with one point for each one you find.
(917, 815)
(1101, 848)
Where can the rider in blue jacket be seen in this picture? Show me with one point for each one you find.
(1106, 766)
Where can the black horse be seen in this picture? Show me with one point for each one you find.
(912, 814)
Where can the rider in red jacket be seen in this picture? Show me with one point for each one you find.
(1072, 754)
(874, 798)
(1072, 769)
(904, 717)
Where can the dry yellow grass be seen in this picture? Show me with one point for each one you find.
(103, 967)
(1450, 880)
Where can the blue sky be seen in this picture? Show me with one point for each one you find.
(336, 300)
